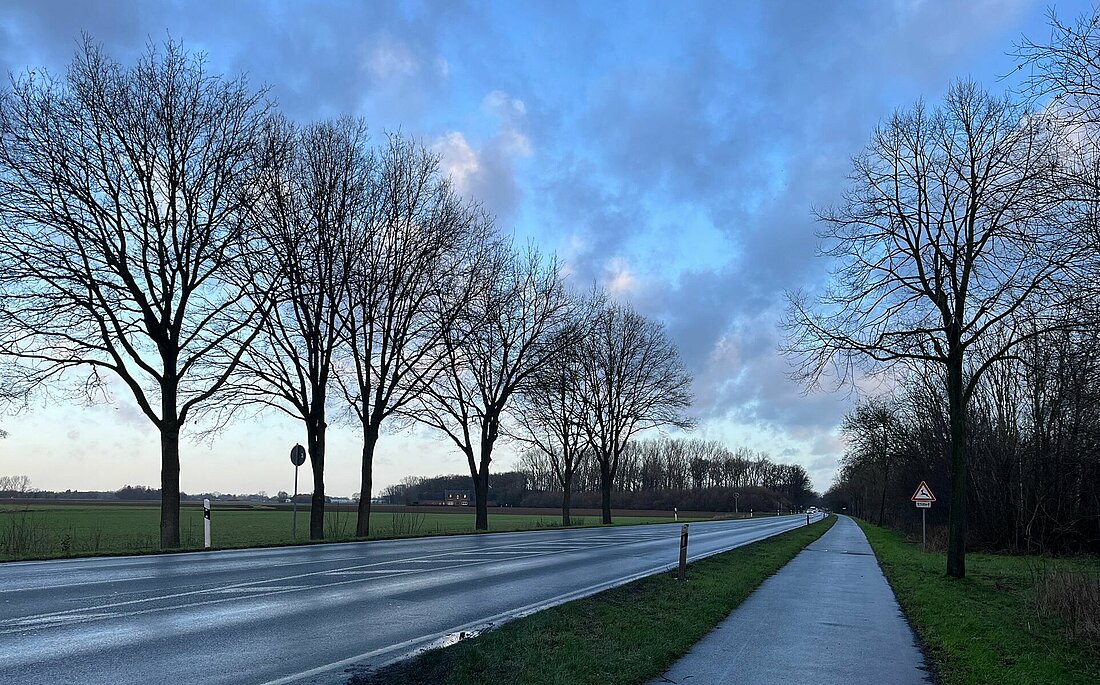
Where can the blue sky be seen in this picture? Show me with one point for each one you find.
(672, 152)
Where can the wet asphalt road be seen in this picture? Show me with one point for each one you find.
(311, 614)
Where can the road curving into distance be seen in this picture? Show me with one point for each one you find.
(313, 614)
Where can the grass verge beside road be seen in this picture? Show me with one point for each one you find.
(624, 636)
(990, 627)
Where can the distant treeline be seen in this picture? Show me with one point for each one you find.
(20, 486)
(692, 474)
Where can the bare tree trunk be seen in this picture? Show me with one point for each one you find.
(370, 440)
(956, 531)
(169, 474)
(605, 489)
(882, 500)
(481, 495)
(315, 438)
(566, 501)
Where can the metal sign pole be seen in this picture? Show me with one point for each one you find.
(923, 498)
(294, 499)
(297, 457)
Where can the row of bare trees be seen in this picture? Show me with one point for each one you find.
(968, 233)
(15, 486)
(168, 230)
(617, 376)
(664, 470)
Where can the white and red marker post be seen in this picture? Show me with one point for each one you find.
(206, 522)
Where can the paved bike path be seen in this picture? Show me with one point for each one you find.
(828, 616)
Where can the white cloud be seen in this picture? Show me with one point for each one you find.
(620, 280)
(391, 58)
(458, 160)
(485, 172)
(514, 143)
(512, 113)
(504, 105)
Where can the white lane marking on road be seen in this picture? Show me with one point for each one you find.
(87, 582)
(542, 546)
(517, 553)
(39, 621)
(241, 590)
(410, 561)
(395, 572)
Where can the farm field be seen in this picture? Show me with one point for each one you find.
(40, 531)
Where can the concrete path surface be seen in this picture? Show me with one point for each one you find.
(827, 617)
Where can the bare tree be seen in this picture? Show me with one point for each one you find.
(15, 485)
(633, 380)
(873, 430)
(124, 196)
(1066, 68)
(506, 333)
(950, 233)
(418, 239)
(550, 410)
(1064, 77)
(311, 228)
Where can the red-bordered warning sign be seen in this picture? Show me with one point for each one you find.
(923, 493)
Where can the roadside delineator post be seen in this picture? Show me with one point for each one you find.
(683, 551)
(675, 514)
(206, 522)
(807, 518)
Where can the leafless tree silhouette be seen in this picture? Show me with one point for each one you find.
(312, 225)
(409, 282)
(125, 196)
(633, 380)
(954, 232)
(507, 331)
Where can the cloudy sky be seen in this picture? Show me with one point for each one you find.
(671, 151)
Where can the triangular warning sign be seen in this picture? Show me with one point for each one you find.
(923, 493)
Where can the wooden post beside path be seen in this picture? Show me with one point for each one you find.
(683, 551)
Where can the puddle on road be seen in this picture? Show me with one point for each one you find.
(364, 670)
(455, 638)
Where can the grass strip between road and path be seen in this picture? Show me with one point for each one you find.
(623, 636)
(989, 627)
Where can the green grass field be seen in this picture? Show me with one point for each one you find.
(624, 636)
(990, 627)
(46, 531)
